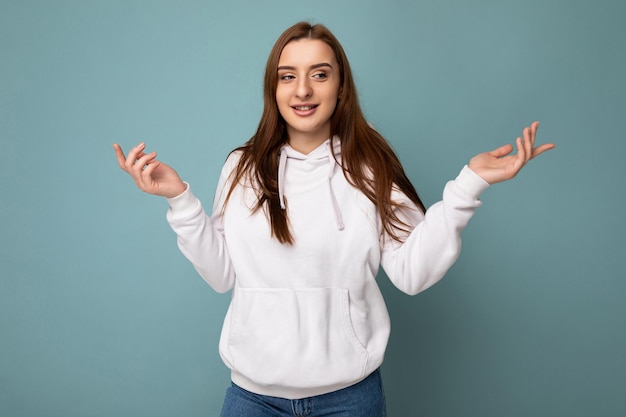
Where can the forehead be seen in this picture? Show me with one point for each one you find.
(305, 52)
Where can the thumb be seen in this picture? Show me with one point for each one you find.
(502, 151)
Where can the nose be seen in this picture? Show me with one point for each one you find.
(303, 89)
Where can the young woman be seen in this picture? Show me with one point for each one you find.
(304, 214)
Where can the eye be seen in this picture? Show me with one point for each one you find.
(320, 75)
(286, 77)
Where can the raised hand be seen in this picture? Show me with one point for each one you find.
(150, 175)
(498, 165)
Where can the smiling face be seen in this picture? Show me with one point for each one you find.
(307, 91)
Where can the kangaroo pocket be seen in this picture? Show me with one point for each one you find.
(298, 338)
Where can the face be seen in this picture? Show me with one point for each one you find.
(307, 91)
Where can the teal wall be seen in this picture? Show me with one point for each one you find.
(100, 315)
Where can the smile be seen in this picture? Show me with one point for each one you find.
(304, 108)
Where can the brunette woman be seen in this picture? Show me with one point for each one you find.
(305, 213)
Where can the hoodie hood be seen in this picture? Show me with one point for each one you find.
(308, 170)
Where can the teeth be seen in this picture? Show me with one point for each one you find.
(303, 108)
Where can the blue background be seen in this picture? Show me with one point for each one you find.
(100, 315)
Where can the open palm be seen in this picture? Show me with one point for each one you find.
(499, 165)
(150, 175)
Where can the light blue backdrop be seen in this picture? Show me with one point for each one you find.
(100, 315)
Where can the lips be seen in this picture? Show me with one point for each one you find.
(304, 107)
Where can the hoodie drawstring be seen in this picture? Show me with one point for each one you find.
(281, 177)
(333, 163)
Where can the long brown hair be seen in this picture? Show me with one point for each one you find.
(368, 162)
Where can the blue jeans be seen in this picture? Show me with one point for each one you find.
(364, 399)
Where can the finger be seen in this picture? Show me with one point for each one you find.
(528, 142)
(145, 159)
(534, 126)
(119, 154)
(137, 169)
(133, 155)
(148, 182)
(147, 172)
(149, 159)
(521, 150)
(138, 155)
(502, 151)
(542, 148)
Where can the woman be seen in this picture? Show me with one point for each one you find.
(304, 214)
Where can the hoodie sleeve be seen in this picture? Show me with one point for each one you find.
(435, 242)
(201, 237)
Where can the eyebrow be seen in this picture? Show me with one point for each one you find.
(312, 67)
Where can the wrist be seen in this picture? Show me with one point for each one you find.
(471, 182)
(176, 190)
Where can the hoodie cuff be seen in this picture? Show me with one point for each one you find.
(183, 201)
(471, 183)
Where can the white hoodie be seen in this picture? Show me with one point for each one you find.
(307, 319)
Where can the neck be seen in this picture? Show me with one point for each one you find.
(304, 143)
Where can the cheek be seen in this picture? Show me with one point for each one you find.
(281, 103)
(333, 100)
(282, 98)
(333, 94)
